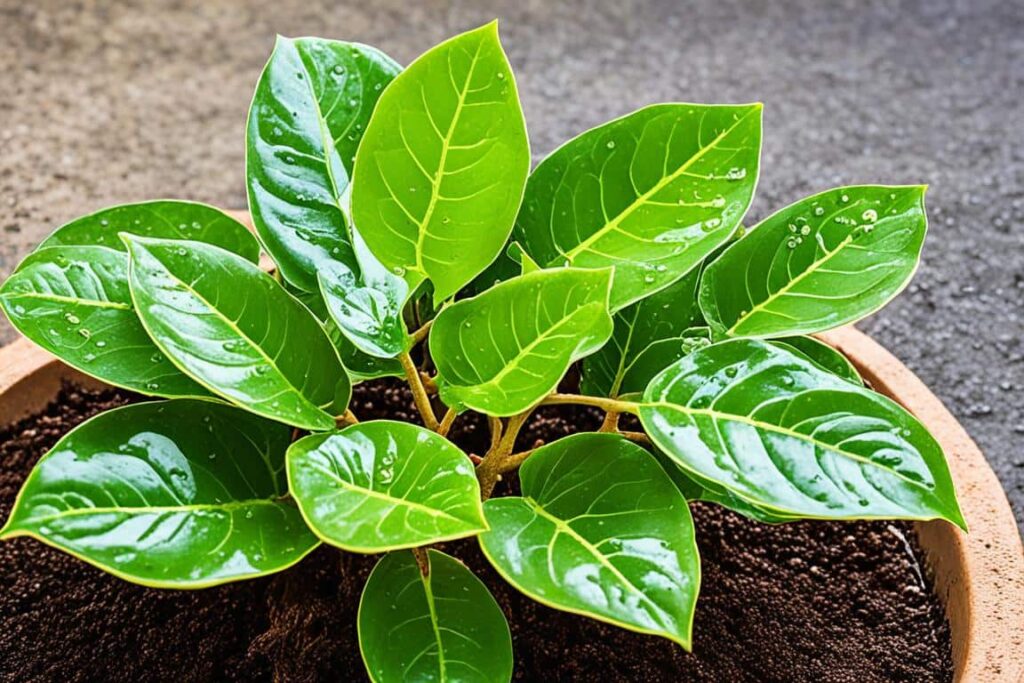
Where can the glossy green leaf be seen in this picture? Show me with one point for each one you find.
(74, 302)
(384, 485)
(442, 627)
(311, 105)
(652, 193)
(820, 263)
(504, 350)
(824, 355)
(778, 431)
(174, 494)
(694, 487)
(167, 219)
(235, 330)
(366, 305)
(360, 366)
(442, 166)
(648, 337)
(600, 531)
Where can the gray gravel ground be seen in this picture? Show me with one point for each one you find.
(102, 103)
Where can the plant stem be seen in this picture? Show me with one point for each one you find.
(611, 422)
(496, 427)
(419, 394)
(515, 460)
(446, 422)
(429, 385)
(421, 334)
(490, 468)
(609, 405)
(346, 419)
(637, 437)
(422, 560)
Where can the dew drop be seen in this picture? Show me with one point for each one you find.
(805, 230)
(736, 174)
(610, 144)
(819, 211)
(845, 198)
(338, 69)
(870, 215)
(72, 318)
(100, 344)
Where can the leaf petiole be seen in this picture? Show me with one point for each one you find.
(419, 394)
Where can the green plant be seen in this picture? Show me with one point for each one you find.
(408, 234)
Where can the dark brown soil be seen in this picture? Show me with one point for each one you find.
(800, 602)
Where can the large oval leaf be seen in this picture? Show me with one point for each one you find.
(502, 351)
(444, 626)
(778, 431)
(236, 331)
(443, 164)
(311, 105)
(169, 219)
(820, 263)
(175, 494)
(652, 193)
(648, 337)
(600, 531)
(74, 302)
(384, 485)
(366, 303)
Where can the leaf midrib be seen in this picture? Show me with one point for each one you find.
(642, 199)
(563, 527)
(396, 502)
(154, 509)
(766, 426)
(59, 299)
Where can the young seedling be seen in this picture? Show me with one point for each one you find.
(398, 207)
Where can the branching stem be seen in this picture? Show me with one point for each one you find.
(490, 468)
(419, 394)
(421, 334)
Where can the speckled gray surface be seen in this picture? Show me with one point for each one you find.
(102, 103)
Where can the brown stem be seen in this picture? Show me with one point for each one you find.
(638, 437)
(611, 422)
(490, 468)
(419, 394)
(429, 385)
(422, 560)
(346, 419)
(515, 460)
(421, 334)
(446, 422)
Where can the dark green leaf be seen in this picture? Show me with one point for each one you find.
(504, 350)
(600, 531)
(442, 627)
(168, 219)
(781, 433)
(820, 263)
(231, 327)
(648, 337)
(175, 494)
(652, 193)
(384, 485)
(824, 355)
(74, 302)
(367, 306)
(443, 163)
(311, 105)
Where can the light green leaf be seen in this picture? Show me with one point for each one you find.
(648, 336)
(822, 262)
(600, 531)
(236, 331)
(781, 433)
(360, 366)
(167, 218)
(652, 193)
(175, 494)
(311, 105)
(367, 305)
(442, 627)
(384, 485)
(74, 302)
(824, 355)
(442, 166)
(501, 352)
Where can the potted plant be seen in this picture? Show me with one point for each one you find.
(410, 239)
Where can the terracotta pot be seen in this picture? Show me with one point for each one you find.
(978, 576)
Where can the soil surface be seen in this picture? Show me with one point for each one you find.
(821, 602)
(110, 101)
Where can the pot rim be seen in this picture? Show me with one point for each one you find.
(979, 576)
